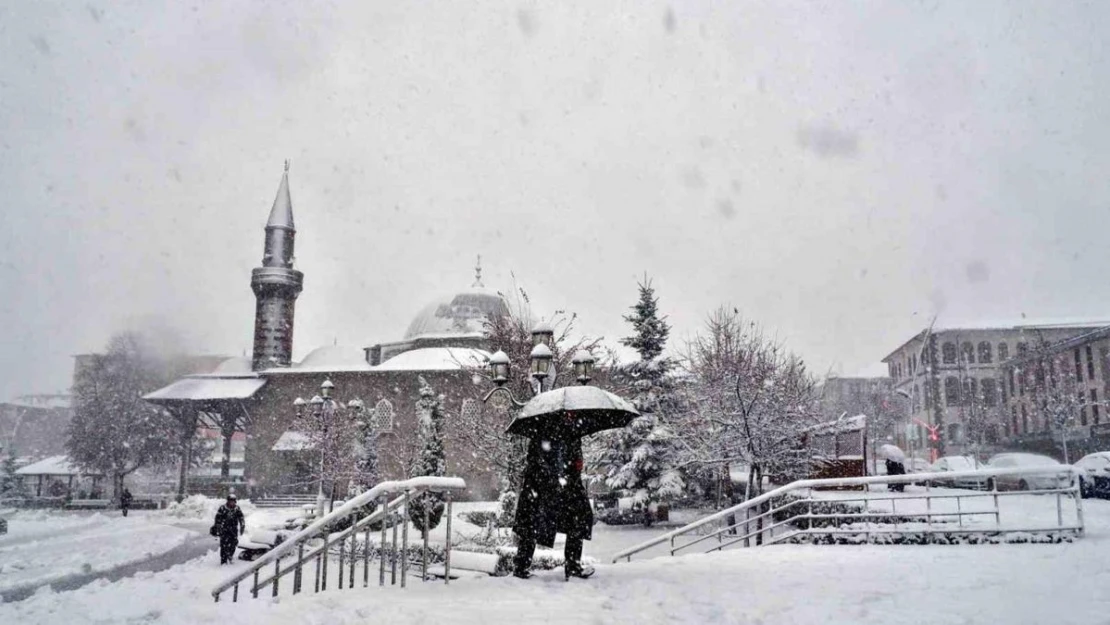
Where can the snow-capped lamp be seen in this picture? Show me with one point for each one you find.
(499, 367)
(583, 362)
(325, 388)
(298, 405)
(541, 360)
(543, 334)
(356, 404)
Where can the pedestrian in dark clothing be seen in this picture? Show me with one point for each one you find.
(229, 525)
(125, 501)
(553, 499)
(893, 467)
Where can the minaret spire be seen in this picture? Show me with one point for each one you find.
(478, 273)
(276, 285)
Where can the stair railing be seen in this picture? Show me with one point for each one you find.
(772, 516)
(392, 498)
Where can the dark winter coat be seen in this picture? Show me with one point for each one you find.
(894, 467)
(552, 496)
(230, 521)
(125, 499)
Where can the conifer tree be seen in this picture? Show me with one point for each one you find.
(10, 484)
(641, 459)
(432, 460)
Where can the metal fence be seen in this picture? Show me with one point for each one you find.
(801, 512)
(313, 547)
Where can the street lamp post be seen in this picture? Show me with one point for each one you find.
(542, 366)
(324, 409)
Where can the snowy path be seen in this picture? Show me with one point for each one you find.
(50, 549)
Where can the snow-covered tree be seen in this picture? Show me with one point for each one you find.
(369, 472)
(113, 431)
(754, 401)
(432, 460)
(642, 460)
(651, 330)
(11, 486)
(335, 439)
(1055, 392)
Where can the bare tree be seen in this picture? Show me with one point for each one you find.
(753, 401)
(1056, 392)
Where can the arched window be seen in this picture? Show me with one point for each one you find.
(990, 393)
(949, 353)
(985, 356)
(952, 391)
(1022, 349)
(1003, 352)
(968, 352)
(470, 413)
(383, 416)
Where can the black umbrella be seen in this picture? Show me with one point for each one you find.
(572, 412)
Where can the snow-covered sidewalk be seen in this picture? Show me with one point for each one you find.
(43, 547)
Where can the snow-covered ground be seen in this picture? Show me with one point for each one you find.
(1008, 584)
(41, 547)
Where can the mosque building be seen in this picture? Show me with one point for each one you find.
(253, 398)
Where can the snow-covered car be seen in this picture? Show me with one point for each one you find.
(1094, 479)
(958, 463)
(1031, 481)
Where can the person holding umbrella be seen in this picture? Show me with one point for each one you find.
(552, 497)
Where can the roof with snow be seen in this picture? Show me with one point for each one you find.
(54, 465)
(291, 440)
(461, 314)
(236, 365)
(1006, 325)
(434, 359)
(201, 388)
(328, 359)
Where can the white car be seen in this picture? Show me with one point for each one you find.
(1030, 481)
(958, 463)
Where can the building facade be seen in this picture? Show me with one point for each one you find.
(1056, 396)
(952, 380)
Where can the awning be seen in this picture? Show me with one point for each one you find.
(203, 388)
(291, 440)
(54, 465)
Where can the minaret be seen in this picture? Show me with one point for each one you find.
(276, 286)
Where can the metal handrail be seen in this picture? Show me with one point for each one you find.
(746, 507)
(406, 488)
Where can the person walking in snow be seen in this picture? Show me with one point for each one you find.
(229, 525)
(893, 467)
(125, 501)
(553, 499)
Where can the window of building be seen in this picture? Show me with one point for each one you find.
(1024, 419)
(948, 353)
(1003, 352)
(990, 393)
(985, 356)
(1013, 419)
(953, 432)
(916, 399)
(1078, 366)
(970, 392)
(1094, 407)
(951, 391)
(471, 411)
(1022, 349)
(383, 416)
(968, 352)
(1010, 374)
(1082, 408)
(1090, 364)
(1021, 382)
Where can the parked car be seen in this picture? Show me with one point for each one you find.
(958, 463)
(1035, 481)
(1094, 481)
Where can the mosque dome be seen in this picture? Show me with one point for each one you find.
(461, 314)
(334, 358)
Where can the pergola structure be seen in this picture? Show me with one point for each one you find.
(219, 401)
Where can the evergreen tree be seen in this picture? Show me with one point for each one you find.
(10, 484)
(368, 471)
(432, 460)
(641, 459)
(651, 329)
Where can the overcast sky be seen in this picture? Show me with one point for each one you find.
(837, 171)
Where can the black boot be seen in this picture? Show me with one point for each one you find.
(522, 573)
(575, 569)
